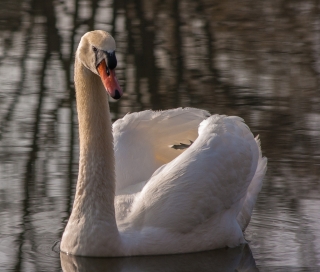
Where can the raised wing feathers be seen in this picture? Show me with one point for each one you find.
(210, 177)
(142, 141)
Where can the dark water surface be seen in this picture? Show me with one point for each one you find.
(256, 59)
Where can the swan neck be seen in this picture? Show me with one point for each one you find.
(92, 228)
(96, 180)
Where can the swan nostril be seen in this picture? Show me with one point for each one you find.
(117, 94)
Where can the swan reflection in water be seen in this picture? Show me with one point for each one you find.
(228, 259)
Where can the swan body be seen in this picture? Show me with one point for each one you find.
(168, 200)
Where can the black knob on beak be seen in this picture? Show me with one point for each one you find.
(112, 60)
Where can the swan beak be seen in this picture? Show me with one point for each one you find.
(109, 80)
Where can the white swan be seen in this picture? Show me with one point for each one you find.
(198, 199)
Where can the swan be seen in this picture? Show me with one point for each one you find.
(191, 188)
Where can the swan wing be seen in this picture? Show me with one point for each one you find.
(143, 142)
(205, 186)
(254, 188)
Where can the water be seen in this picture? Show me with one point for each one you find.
(256, 59)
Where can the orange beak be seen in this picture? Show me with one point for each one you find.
(109, 80)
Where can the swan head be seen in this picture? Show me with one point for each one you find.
(96, 52)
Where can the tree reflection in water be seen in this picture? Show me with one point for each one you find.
(258, 60)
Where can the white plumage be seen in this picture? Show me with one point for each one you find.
(142, 141)
(168, 200)
(198, 194)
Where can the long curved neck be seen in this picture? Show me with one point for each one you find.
(96, 180)
(92, 228)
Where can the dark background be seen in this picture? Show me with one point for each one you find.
(256, 59)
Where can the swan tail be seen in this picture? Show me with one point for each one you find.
(254, 188)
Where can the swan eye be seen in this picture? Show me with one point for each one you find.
(94, 49)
